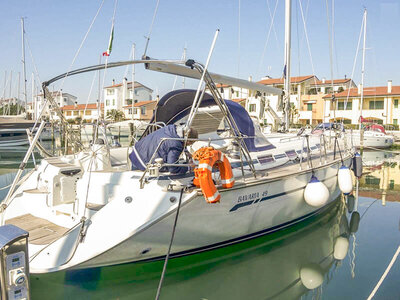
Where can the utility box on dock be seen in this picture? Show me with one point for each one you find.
(14, 263)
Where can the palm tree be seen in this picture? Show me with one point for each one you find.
(115, 115)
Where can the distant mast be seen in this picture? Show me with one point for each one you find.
(362, 81)
(133, 80)
(363, 65)
(23, 66)
(288, 8)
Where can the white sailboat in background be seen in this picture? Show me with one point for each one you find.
(13, 128)
(374, 135)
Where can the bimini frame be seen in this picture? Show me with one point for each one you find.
(190, 69)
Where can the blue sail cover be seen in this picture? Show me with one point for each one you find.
(175, 105)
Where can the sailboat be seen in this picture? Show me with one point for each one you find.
(89, 209)
(13, 128)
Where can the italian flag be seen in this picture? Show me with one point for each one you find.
(108, 52)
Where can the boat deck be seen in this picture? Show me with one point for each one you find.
(41, 231)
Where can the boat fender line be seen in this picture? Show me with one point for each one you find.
(169, 247)
(208, 158)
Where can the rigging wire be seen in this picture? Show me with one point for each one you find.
(238, 66)
(268, 35)
(151, 28)
(330, 34)
(308, 42)
(83, 41)
(33, 60)
(354, 67)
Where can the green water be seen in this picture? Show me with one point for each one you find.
(268, 267)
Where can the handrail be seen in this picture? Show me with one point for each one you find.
(150, 163)
(20, 170)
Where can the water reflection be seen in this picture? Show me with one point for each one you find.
(381, 179)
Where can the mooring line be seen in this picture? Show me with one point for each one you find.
(169, 248)
(384, 274)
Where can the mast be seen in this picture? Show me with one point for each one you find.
(133, 79)
(362, 80)
(23, 64)
(363, 65)
(288, 8)
(18, 92)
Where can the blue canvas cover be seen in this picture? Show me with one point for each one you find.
(177, 104)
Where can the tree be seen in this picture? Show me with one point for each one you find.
(293, 112)
(115, 115)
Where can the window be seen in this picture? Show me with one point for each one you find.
(391, 184)
(107, 102)
(376, 104)
(110, 91)
(88, 112)
(69, 113)
(252, 108)
(113, 102)
(65, 99)
(396, 103)
(143, 110)
(135, 110)
(395, 122)
(341, 105)
(371, 180)
(136, 92)
(76, 113)
(130, 111)
(309, 106)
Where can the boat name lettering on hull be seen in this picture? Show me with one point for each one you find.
(248, 199)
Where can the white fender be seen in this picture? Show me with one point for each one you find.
(311, 276)
(340, 248)
(316, 193)
(345, 180)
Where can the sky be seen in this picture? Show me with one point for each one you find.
(55, 30)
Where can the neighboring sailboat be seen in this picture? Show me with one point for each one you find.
(369, 136)
(13, 129)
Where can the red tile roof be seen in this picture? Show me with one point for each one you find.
(238, 100)
(298, 79)
(219, 85)
(368, 92)
(335, 81)
(81, 106)
(141, 103)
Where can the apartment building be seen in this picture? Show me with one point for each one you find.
(380, 104)
(142, 110)
(269, 110)
(88, 112)
(311, 110)
(60, 97)
(120, 95)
